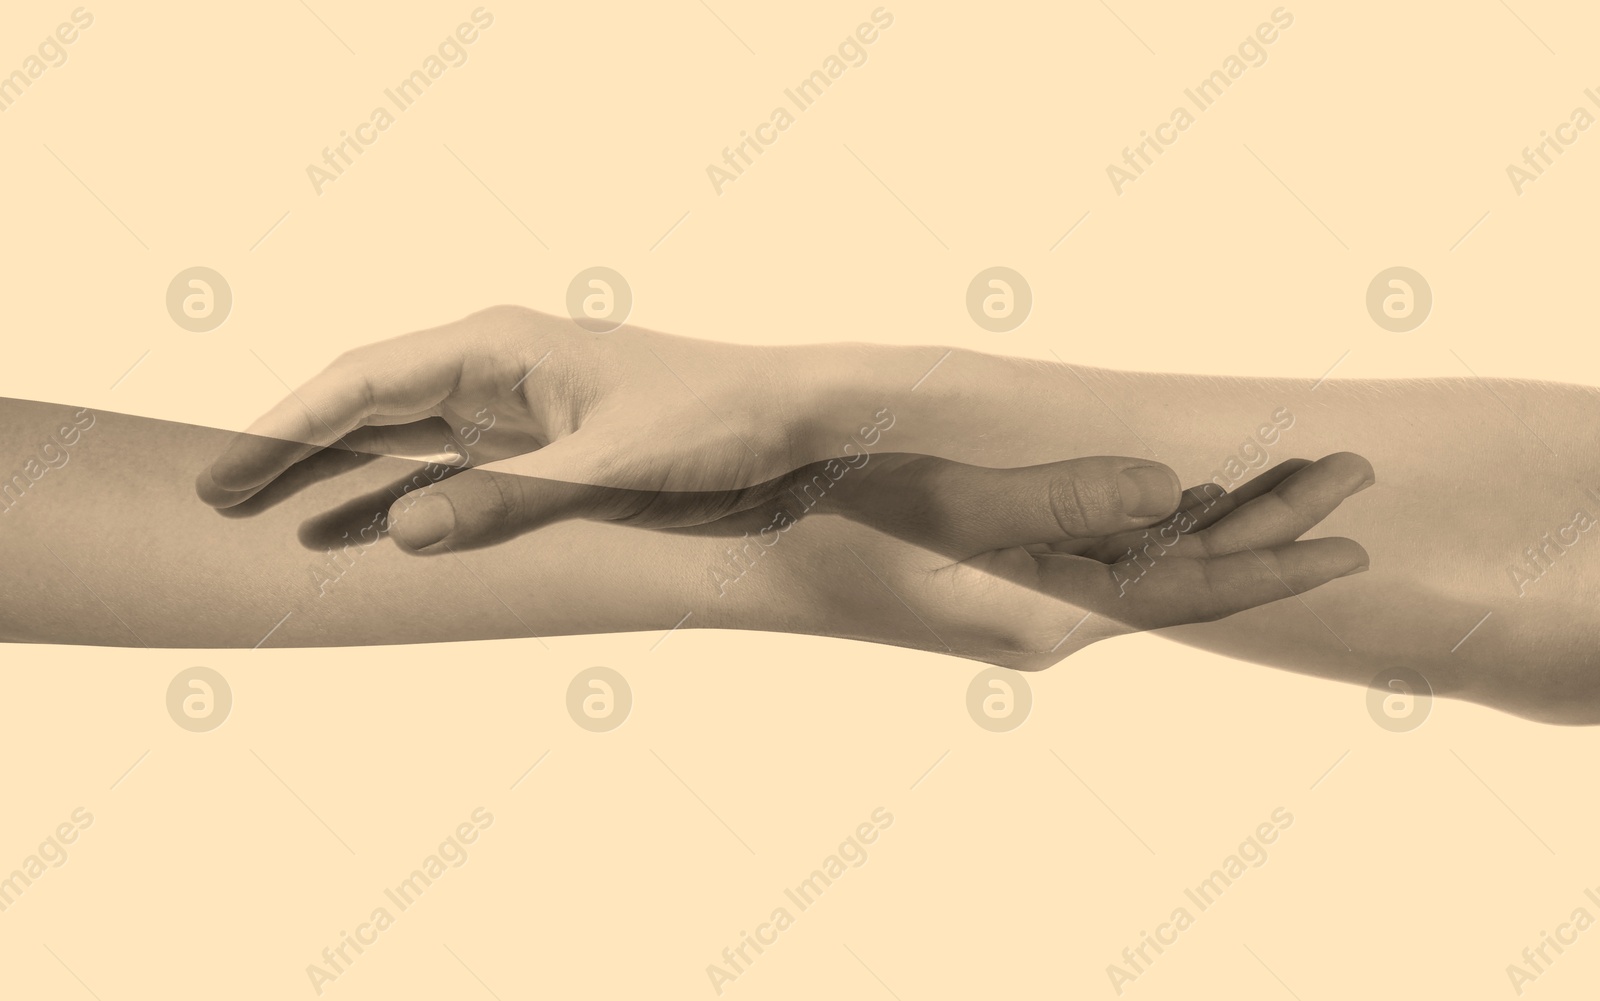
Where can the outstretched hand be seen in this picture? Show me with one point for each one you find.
(1021, 567)
(525, 398)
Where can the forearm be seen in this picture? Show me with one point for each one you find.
(105, 543)
(1470, 475)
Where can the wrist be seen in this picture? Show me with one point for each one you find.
(874, 397)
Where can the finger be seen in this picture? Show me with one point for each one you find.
(1195, 502)
(1211, 504)
(1208, 589)
(1286, 512)
(1201, 505)
(325, 465)
(390, 379)
(966, 510)
(427, 440)
(1176, 591)
(1202, 497)
(494, 503)
(1296, 505)
(1217, 504)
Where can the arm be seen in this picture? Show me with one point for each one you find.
(1473, 476)
(1469, 519)
(110, 546)
(105, 542)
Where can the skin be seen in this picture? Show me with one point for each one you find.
(913, 550)
(1471, 474)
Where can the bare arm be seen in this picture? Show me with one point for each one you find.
(106, 542)
(110, 545)
(1471, 477)
(1486, 497)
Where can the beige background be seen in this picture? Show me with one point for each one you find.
(178, 134)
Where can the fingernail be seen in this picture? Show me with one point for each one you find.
(427, 521)
(1369, 481)
(1148, 491)
(1363, 568)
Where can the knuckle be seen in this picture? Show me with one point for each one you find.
(505, 500)
(351, 360)
(503, 313)
(1215, 599)
(1078, 503)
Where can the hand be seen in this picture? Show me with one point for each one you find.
(1021, 567)
(528, 400)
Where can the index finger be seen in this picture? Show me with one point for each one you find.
(389, 379)
(1179, 590)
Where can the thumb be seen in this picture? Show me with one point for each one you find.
(977, 509)
(497, 502)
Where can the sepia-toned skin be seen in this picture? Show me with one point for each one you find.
(1466, 482)
(1470, 474)
(113, 547)
(1474, 475)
